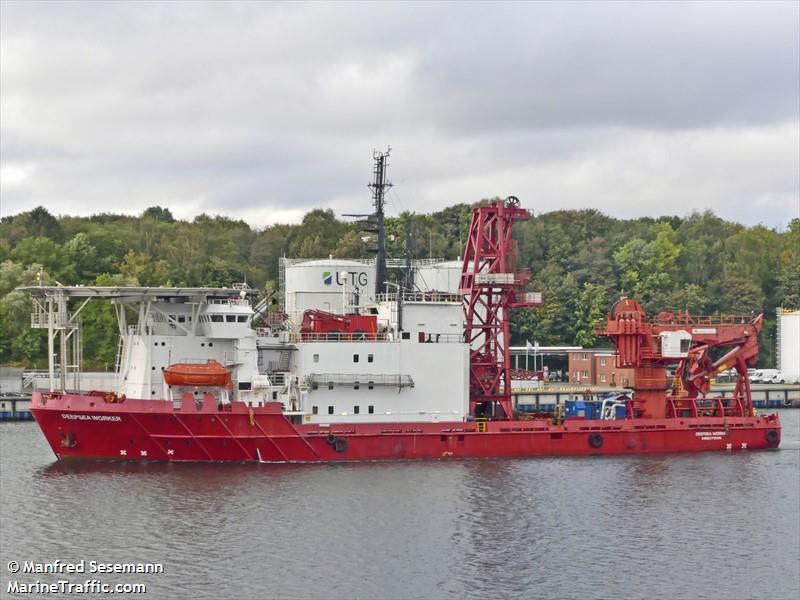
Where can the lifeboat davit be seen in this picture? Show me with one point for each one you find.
(208, 374)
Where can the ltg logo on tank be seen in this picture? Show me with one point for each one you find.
(348, 277)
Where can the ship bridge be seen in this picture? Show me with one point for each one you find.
(58, 310)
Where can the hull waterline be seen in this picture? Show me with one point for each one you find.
(87, 427)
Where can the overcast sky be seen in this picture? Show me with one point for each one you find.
(262, 111)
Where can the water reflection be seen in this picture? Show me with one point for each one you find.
(553, 527)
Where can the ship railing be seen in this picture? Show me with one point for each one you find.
(229, 301)
(432, 296)
(439, 338)
(295, 337)
(194, 361)
(392, 263)
(357, 380)
(639, 328)
(680, 406)
(683, 319)
(278, 378)
(420, 337)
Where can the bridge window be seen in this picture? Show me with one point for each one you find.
(230, 318)
(181, 318)
(216, 318)
(330, 410)
(356, 409)
(370, 409)
(355, 357)
(242, 318)
(370, 357)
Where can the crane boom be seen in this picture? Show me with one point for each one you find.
(691, 343)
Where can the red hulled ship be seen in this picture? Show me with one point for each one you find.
(345, 373)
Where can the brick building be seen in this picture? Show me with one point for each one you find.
(597, 367)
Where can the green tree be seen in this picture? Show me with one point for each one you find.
(591, 307)
(648, 269)
(40, 250)
(158, 214)
(80, 259)
(688, 297)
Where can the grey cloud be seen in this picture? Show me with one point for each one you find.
(265, 110)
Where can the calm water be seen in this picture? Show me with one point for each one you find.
(699, 526)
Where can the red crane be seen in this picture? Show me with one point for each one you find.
(491, 287)
(649, 347)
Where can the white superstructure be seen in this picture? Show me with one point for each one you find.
(413, 367)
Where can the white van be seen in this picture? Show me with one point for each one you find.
(781, 378)
(763, 375)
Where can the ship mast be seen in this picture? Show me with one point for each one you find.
(374, 222)
(379, 186)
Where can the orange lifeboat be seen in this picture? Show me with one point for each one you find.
(208, 374)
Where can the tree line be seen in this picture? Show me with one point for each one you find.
(581, 260)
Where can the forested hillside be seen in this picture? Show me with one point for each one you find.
(581, 260)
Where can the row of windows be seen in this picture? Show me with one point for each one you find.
(224, 318)
(370, 358)
(159, 318)
(356, 385)
(356, 410)
(210, 344)
(585, 356)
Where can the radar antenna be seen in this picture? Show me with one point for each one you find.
(375, 222)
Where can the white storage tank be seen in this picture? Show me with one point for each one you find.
(327, 284)
(442, 277)
(789, 343)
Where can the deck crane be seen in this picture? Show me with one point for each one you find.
(650, 346)
(491, 286)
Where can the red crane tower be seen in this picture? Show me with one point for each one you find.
(491, 287)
